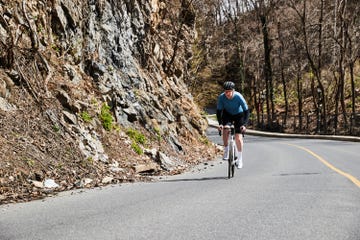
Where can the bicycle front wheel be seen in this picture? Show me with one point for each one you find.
(231, 162)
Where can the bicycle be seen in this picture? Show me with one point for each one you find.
(232, 149)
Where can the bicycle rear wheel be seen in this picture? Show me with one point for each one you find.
(233, 168)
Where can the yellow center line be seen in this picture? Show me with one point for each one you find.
(347, 175)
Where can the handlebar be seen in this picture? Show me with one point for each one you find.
(231, 127)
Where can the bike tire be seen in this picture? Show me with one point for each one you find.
(231, 167)
(233, 162)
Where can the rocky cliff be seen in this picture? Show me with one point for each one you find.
(92, 92)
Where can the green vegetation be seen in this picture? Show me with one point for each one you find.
(56, 128)
(106, 117)
(137, 148)
(85, 116)
(87, 161)
(204, 140)
(55, 48)
(30, 162)
(136, 138)
(158, 133)
(94, 101)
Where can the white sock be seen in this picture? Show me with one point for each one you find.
(239, 155)
(226, 153)
(239, 160)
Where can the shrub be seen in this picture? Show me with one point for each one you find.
(136, 138)
(106, 117)
(136, 148)
(158, 133)
(85, 116)
(56, 128)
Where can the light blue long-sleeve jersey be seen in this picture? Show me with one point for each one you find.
(233, 106)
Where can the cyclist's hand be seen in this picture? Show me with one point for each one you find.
(243, 129)
(220, 128)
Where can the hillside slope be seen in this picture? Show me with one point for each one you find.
(92, 92)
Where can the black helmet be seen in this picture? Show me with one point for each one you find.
(229, 85)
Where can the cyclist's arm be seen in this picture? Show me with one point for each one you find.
(245, 109)
(219, 110)
(246, 116)
(219, 116)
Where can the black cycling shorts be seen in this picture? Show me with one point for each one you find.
(238, 120)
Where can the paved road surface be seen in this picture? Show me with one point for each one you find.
(288, 189)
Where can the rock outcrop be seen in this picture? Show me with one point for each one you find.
(78, 77)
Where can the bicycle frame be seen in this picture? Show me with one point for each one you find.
(232, 149)
(232, 153)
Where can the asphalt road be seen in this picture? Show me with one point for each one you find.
(288, 189)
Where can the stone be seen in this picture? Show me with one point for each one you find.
(6, 106)
(37, 184)
(84, 182)
(69, 117)
(50, 183)
(107, 180)
(152, 153)
(146, 167)
(116, 169)
(165, 162)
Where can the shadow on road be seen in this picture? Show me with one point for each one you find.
(195, 179)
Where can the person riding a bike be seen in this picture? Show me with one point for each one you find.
(232, 108)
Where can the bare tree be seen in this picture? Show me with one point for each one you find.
(299, 84)
(352, 52)
(184, 17)
(232, 11)
(281, 54)
(262, 9)
(304, 51)
(313, 54)
(339, 58)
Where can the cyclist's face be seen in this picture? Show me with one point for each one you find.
(229, 93)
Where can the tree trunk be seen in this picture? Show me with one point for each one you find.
(268, 70)
(283, 80)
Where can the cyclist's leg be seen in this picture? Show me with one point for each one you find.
(238, 122)
(225, 136)
(239, 142)
(225, 119)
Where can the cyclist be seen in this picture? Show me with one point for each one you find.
(232, 107)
